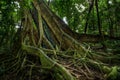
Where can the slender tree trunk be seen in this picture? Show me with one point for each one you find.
(91, 3)
(98, 17)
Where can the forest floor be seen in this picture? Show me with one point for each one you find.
(81, 70)
(78, 66)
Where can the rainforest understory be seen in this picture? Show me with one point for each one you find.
(45, 48)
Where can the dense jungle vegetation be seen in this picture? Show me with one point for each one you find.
(59, 39)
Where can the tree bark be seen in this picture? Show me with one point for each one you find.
(65, 41)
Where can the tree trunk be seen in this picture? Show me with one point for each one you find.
(64, 40)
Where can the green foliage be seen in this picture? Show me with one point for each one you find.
(71, 9)
(8, 18)
(113, 74)
(26, 3)
(76, 19)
